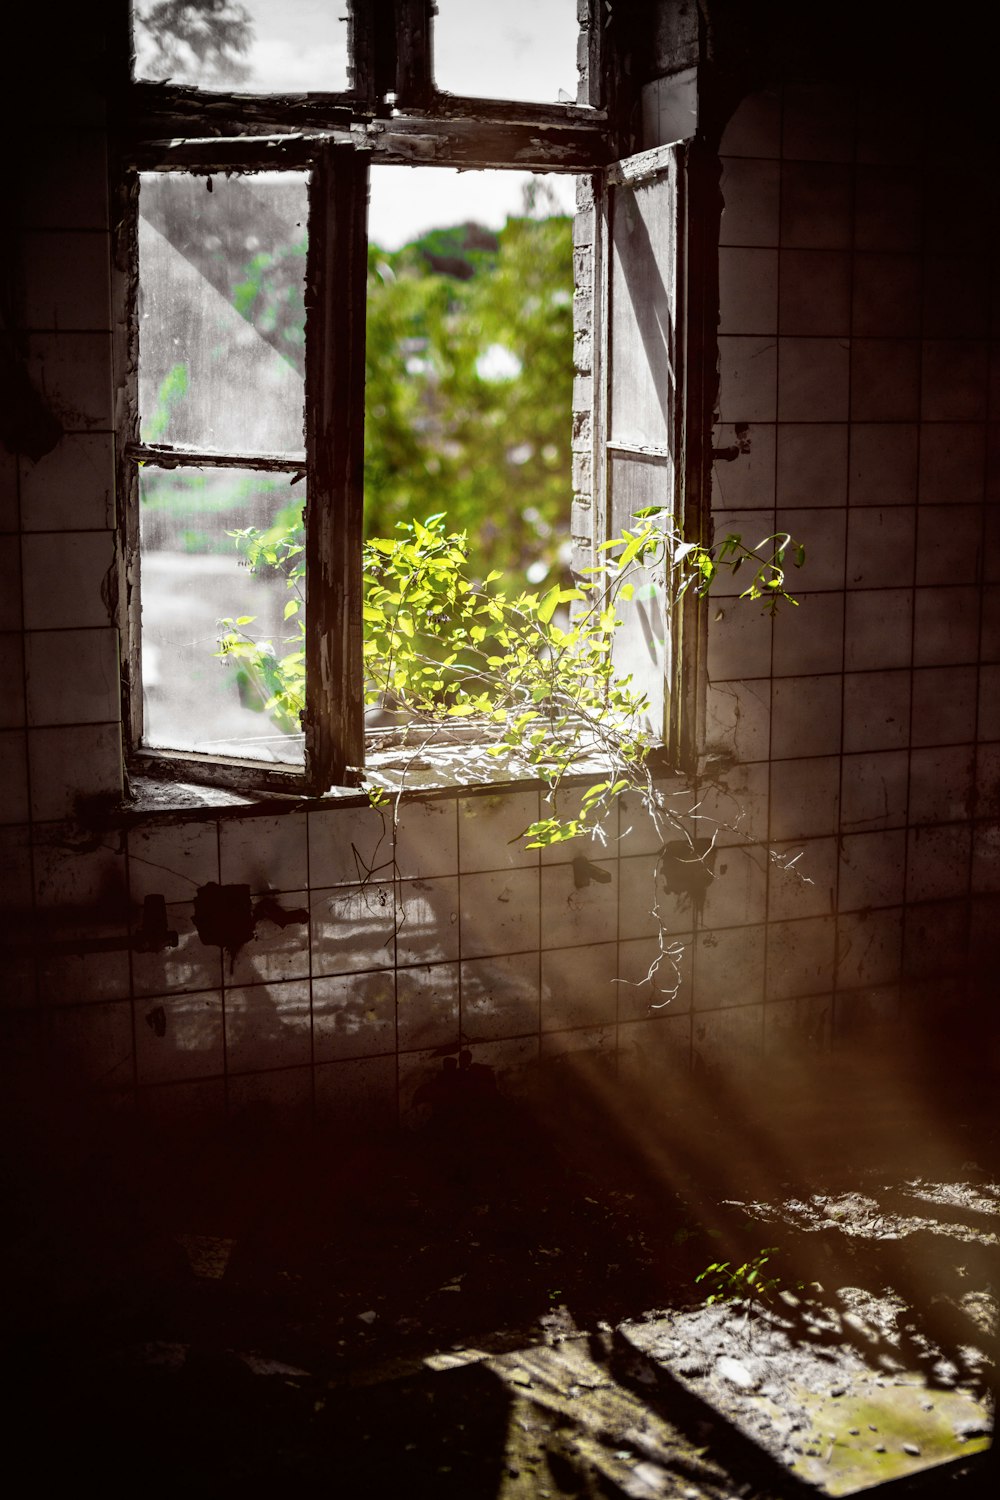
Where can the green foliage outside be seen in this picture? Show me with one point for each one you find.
(442, 646)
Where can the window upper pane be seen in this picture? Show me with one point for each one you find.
(195, 576)
(222, 312)
(518, 49)
(251, 46)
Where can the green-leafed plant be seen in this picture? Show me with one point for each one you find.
(532, 673)
(752, 1281)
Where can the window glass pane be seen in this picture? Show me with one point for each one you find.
(643, 329)
(252, 46)
(517, 49)
(222, 311)
(195, 576)
(469, 374)
(642, 643)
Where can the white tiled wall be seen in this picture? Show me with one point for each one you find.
(857, 820)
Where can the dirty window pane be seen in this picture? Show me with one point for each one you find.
(195, 576)
(519, 49)
(642, 644)
(643, 330)
(248, 46)
(222, 311)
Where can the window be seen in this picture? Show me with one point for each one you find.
(242, 211)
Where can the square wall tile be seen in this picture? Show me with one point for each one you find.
(872, 869)
(818, 123)
(880, 547)
(732, 805)
(822, 533)
(886, 295)
(350, 844)
(178, 1037)
(573, 913)
(268, 1102)
(935, 939)
(654, 977)
(747, 378)
(566, 804)
(268, 1026)
(427, 926)
(754, 128)
(63, 577)
(885, 380)
(987, 781)
(815, 292)
(805, 716)
(813, 379)
(10, 518)
(579, 987)
(68, 978)
(13, 776)
(876, 710)
(794, 1027)
(942, 784)
(73, 676)
(500, 912)
(16, 896)
(644, 827)
(752, 528)
(866, 1015)
(956, 296)
(800, 957)
(883, 463)
(952, 458)
(73, 765)
(500, 996)
(10, 595)
(944, 705)
(652, 1050)
(869, 948)
(172, 860)
(805, 797)
(72, 371)
(427, 1007)
(279, 948)
(938, 862)
(887, 208)
(727, 1039)
(737, 719)
(354, 1015)
(190, 965)
(748, 290)
(945, 626)
(737, 895)
(94, 1043)
(989, 641)
(878, 629)
(729, 967)
(427, 838)
(986, 857)
(66, 279)
(739, 639)
(746, 481)
(73, 487)
(490, 829)
(989, 703)
(750, 190)
(809, 639)
(90, 878)
(955, 380)
(890, 126)
(357, 1095)
(874, 790)
(949, 543)
(645, 907)
(267, 854)
(70, 189)
(815, 205)
(812, 464)
(353, 928)
(802, 879)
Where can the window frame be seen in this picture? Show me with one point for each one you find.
(335, 138)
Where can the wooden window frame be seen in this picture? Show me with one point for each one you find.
(335, 137)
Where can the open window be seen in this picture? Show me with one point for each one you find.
(242, 366)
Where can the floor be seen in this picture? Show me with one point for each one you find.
(505, 1303)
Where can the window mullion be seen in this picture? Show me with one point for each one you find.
(335, 385)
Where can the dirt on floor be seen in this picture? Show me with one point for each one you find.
(505, 1303)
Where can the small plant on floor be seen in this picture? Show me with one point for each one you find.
(752, 1281)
